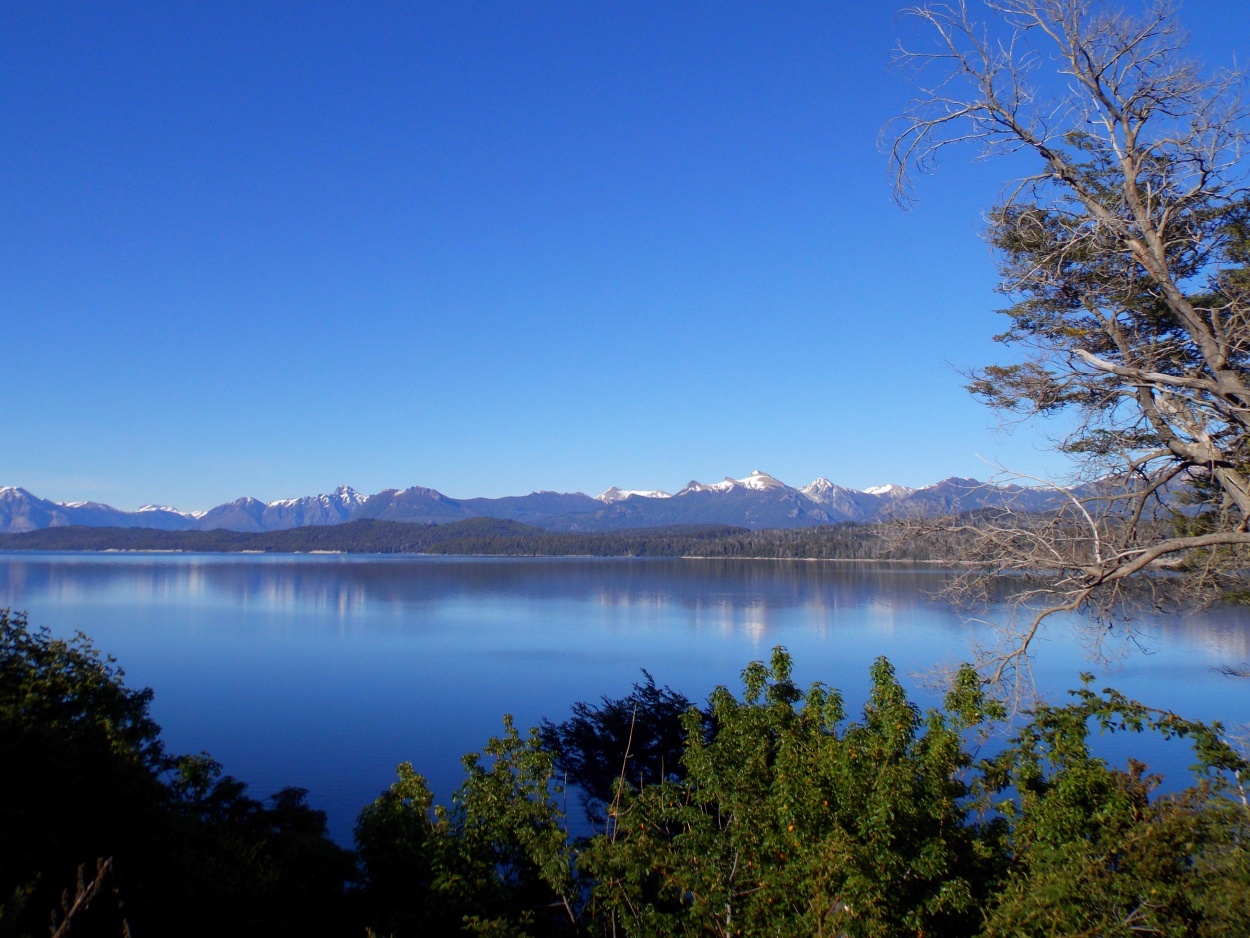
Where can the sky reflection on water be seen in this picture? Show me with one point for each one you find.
(326, 671)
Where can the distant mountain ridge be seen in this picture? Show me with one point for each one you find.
(757, 501)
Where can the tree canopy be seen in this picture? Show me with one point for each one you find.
(1124, 254)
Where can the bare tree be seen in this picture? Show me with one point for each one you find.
(1125, 255)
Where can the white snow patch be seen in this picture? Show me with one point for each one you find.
(890, 491)
(819, 487)
(615, 494)
(760, 480)
(693, 486)
(344, 495)
(349, 496)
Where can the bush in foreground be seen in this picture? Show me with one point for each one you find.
(181, 850)
(788, 818)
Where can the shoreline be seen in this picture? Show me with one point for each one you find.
(476, 556)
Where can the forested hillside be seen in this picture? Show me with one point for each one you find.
(493, 537)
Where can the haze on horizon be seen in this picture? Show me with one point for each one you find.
(487, 249)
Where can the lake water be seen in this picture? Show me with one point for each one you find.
(326, 671)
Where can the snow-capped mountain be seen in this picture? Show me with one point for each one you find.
(335, 508)
(613, 495)
(242, 514)
(890, 491)
(757, 501)
(760, 481)
(842, 503)
(22, 511)
(757, 481)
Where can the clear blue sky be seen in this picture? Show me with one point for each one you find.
(262, 249)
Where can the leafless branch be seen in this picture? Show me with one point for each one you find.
(1125, 251)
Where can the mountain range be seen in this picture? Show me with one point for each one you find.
(757, 501)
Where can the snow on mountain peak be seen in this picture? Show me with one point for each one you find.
(890, 490)
(345, 495)
(761, 480)
(349, 496)
(614, 494)
(955, 482)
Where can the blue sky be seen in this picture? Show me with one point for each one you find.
(262, 249)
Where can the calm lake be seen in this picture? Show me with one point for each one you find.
(326, 671)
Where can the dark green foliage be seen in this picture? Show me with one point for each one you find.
(638, 738)
(789, 820)
(394, 841)
(85, 778)
(1094, 851)
(268, 868)
(496, 862)
(81, 764)
(792, 821)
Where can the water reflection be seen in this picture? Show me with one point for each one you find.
(742, 597)
(739, 595)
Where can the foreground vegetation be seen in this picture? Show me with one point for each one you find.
(772, 812)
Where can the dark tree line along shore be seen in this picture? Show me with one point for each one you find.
(492, 537)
